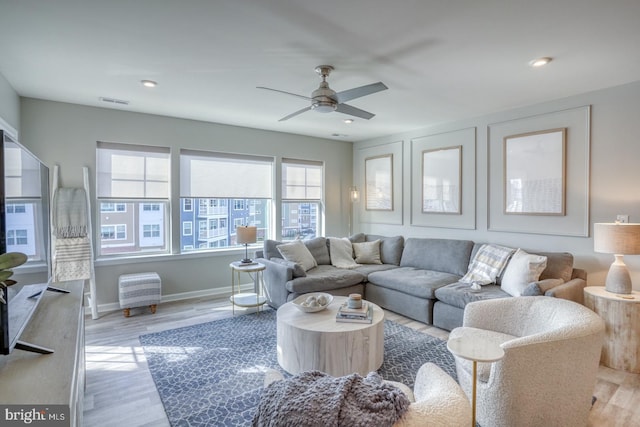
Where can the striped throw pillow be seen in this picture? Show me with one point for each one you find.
(487, 264)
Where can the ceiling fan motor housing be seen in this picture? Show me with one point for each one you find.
(324, 99)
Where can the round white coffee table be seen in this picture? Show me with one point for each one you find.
(315, 341)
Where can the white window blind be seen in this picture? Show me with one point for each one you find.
(221, 175)
(301, 180)
(21, 173)
(132, 171)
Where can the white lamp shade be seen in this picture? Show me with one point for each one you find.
(616, 238)
(246, 234)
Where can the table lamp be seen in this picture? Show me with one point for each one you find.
(619, 239)
(246, 235)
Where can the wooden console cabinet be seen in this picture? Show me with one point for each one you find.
(50, 379)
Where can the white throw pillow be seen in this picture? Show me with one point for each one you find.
(341, 252)
(523, 269)
(367, 252)
(297, 252)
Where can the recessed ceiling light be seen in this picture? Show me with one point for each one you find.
(539, 62)
(148, 83)
(348, 121)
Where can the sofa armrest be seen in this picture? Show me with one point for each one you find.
(572, 290)
(275, 278)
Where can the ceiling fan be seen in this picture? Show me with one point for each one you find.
(325, 100)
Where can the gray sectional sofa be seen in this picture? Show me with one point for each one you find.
(418, 277)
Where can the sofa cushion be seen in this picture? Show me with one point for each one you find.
(298, 253)
(487, 264)
(367, 252)
(358, 238)
(522, 270)
(298, 271)
(319, 248)
(444, 255)
(324, 278)
(413, 281)
(390, 248)
(559, 266)
(459, 294)
(367, 269)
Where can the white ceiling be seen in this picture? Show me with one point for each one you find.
(442, 60)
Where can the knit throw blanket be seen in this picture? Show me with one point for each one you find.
(69, 213)
(318, 399)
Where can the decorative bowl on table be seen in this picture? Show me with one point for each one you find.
(312, 302)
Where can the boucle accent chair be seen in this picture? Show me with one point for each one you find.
(547, 376)
(437, 400)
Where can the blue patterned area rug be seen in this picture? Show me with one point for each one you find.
(212, 374)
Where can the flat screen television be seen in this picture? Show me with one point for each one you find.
(24, 227)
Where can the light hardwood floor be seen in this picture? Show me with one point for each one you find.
(120, 390)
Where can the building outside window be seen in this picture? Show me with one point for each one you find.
(302, 192)
(227, 189)
(133, 193)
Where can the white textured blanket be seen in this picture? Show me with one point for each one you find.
(69, 212)
(318, 399)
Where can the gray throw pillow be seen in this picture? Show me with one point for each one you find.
(390, 248)
(319, 250)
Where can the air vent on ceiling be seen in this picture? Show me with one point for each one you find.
(114, 101)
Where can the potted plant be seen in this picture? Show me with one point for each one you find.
(9, 260)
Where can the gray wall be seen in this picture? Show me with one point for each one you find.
(614, 180)
(66, 134)
(9, 104)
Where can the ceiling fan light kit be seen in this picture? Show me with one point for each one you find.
(326, 100)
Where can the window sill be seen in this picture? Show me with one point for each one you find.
(131, 259)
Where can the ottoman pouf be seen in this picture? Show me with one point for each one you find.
(139, 290)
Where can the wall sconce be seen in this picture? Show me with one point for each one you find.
(619, 239)
(354, 194)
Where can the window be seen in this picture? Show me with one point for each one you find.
(151, 230)
(26, 201)
(113, 232)
(17, 237)
(187, 229)
(16, 208)
(301, 199)
(227, 189)
(113, 207)
(155, 207)
(133, 193)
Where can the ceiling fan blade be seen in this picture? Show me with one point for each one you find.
(286, 93)
(357, 92)
(295, 114)
(353, 111)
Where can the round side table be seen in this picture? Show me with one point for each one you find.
(621, 315)
(247, 299)
(477, 350)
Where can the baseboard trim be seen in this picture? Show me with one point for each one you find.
(216, 292)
